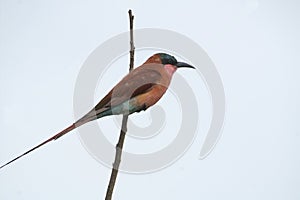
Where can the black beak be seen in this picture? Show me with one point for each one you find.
(182, 64)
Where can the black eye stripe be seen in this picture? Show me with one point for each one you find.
(167, 59)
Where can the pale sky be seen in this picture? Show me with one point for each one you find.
(255, 47)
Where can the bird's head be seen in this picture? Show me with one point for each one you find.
(170, 63)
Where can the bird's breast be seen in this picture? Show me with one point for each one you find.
(152, 96)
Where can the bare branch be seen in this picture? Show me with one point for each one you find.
(119, 146)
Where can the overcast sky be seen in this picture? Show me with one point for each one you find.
(255, 47)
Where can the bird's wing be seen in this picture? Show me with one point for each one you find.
(137, 82)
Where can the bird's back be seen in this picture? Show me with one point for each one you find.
(145, 85)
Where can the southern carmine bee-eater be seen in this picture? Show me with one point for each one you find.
(137, 91)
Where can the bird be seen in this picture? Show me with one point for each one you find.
(140, 89)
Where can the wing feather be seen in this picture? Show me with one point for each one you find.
(137, 82)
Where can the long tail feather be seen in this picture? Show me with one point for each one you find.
(55, 137)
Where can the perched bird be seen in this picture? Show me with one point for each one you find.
(137, 91)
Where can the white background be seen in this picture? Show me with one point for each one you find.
(254, 45)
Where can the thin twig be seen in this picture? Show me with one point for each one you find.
(131, 17)
(123, 131)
